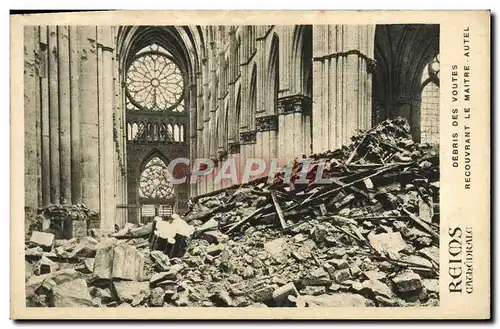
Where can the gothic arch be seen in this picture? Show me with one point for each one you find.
(252, 95)
(154, 152)
(154, 187)
(179, 41)
(402, 52)
(302, 59)
(163, 132)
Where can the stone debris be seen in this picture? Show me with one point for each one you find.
(407, 281)
(42, 239)
(71, 294)
(64, 221)
(156, 297)
(335, 300)
(281, 294)
(371, 238)
(127, 291)
(122, 262)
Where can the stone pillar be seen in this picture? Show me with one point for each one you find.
(76, 176)
(343, 57)
(231, 116)
(285, 33)
(198, 129)
(30, 118)
(192, 133)
(55, 177)
(193, 124)
(261, 147)
(45, 116)
(267, 129)
(106, 112)
(89, 116)
(293, 139)
(38, 107)
(206, 116)
(64, 113)
(100, 124)
(247, 143)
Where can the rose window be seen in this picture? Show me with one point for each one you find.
(156, 181)
(154, 82)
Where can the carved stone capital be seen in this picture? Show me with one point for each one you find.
(233, 148)
(267, 123)
(294, 104)
(371, 66)
(222, 154)
(248, 137)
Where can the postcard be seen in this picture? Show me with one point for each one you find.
(250, 165)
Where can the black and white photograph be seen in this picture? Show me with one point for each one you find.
(244, 166)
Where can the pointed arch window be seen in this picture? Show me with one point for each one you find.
(274, 73)
(238, 114)
(429, 108)
(154, 81)
(237, 59)
(155, 181)
(253, 92)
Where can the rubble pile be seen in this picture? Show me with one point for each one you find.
(64, 221)
(368, 238)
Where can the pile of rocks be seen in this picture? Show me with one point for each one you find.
(371, 238)
(64, 221)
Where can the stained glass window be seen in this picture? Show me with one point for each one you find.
(156, 181)
(429, 108)
(431, 71)
(154, 81)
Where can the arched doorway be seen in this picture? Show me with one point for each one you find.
(402, 52)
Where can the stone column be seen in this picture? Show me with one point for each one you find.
(206, 120)
(108, 164)
(100, 125)
(294, 115)
(45, 116)
(64, 113)
(30, 119)
(193, 124)
(89, 116)
(76, 176)
(38, 107)
(55, 177)
(343, 57)
(266, 129)
(261, 147)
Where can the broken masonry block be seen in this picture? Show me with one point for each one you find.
(128, 263)
(124, 262)
(263, 293)
(280, 295)
(161, 261)
(45, 266)
(157, 297)
(127, 291)
(71, 294)
(407, 281)
(42, 239)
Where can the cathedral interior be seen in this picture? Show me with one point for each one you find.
(107, 107)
